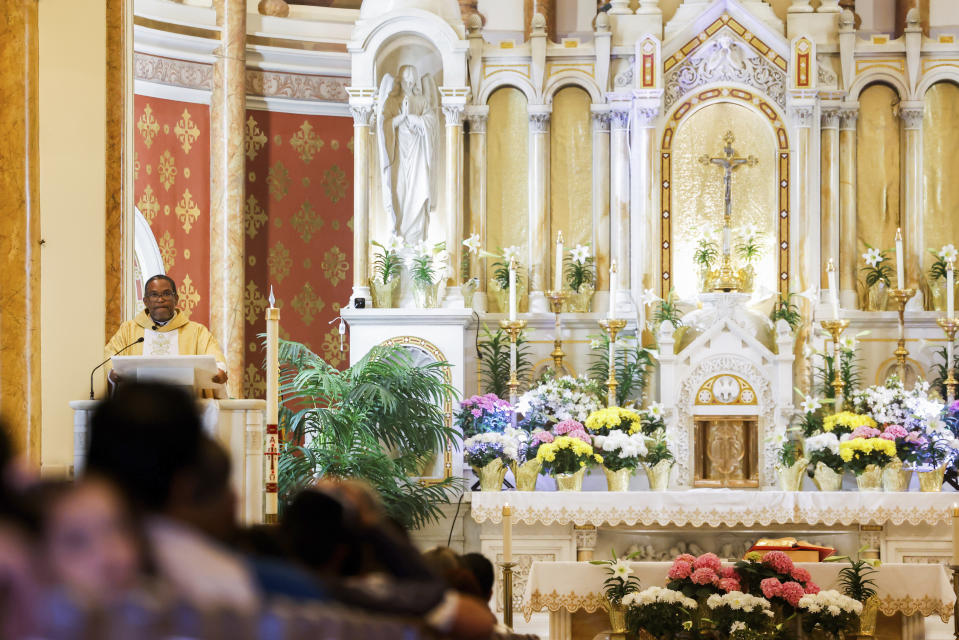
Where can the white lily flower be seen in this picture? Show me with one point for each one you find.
(395, 243)
(948, 253)
(579, 254)
(649, 297)
(873, 257)
(472, 243)
(848, 343)
(655, 410)
(620, 569)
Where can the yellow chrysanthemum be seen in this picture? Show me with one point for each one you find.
(848, 420)
(614, 418)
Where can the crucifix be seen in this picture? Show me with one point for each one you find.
(729, 162)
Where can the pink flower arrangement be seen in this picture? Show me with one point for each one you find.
(771, 588)
(579, 434)
(812, 588)
(894, 432)
(687, 557)
(708, 561)
(800, 575)
(730, 573)
(567, 427)
(728, 585)
(865, 432)
(543, 437)
(792, 592)
(778, 562)
(681, 569)
(704, 576)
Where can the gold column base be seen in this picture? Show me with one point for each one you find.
(512, 329)
(901, 296)
(950, 327)
(556, 301)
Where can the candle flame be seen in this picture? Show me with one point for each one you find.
(507, 510)
(612, 267)
(955, 510)
(898, 233)
(559, 237)
(271, 298)
(830, 266)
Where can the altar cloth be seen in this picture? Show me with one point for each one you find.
(909, 589)
(714, 507)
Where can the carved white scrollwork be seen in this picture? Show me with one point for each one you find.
(539, 122)
(362, 115)
(911, 117)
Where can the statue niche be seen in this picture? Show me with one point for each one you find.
(408, 134)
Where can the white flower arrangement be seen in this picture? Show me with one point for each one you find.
(659, 595)
(831, 601)
(565, 398)
(483, 447)
(827, 441)
(627, 446)
(893, 404)
(738, 601)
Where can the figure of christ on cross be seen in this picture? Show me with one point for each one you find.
(729, 163)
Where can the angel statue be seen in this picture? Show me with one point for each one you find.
(407, 119)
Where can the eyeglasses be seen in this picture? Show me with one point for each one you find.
(154, 295)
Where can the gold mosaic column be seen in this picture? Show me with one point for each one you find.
(829, 191)
(478, 116)
(539, 232)
(619, 195)
(20, 231)
(453, 113)
(228, 173)
(911, 116)
(847, 207)
(361, 107)
(601, 194)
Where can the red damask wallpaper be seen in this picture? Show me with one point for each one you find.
(171, 169)
(299, 231)
(298, 218)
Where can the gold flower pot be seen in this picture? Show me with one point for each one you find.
(570, 481)
(658, 475)
(930, 481)
(617, 616)
(790, 478)
(618, 480)
(894, 477)
(492, 475)
(867, 619)
(383, 293)
(580, 301)
(501, 296)
(526, 474)
(870, 479)
(938, 290)
(426, 296)
(826, 479)
(747, 276)
(876, 297)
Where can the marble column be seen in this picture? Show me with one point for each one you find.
(829, 190)
(20, 231)
(641, 177)
(601, 200)
(228, 176)
(478, 116)
(848, 231)
(539, 228)
(453, 176)
(362, 112)
(808, 241)
(911, 115)
(619, 200)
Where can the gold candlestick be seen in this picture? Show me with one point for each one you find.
(950, 326)
(512, 328)
(508, 593)
(612, 327)
(835, 329)
(901, 296)
(556, 301)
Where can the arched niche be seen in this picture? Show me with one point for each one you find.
(940, 148)
(878, 169)
(571, 167)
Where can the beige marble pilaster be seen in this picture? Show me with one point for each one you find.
(361, 108)
(601, 195)
(539, 228)
(20, 231)
(642, 243)
(911, 115)
(619, 196)
(829, 191)
(848, 276)
(478, 116)
(118, 235)
(228, 178)
(453, 113)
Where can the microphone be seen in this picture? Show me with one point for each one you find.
(154, 328)
(137, 341)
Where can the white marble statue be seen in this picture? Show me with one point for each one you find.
(408, 132)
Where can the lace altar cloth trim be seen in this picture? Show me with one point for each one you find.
(576, 586)
(715, 507)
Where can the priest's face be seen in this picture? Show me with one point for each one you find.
(160, 300)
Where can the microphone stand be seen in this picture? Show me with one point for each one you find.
(137, 341)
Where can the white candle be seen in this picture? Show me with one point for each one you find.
(271, 449)
(613, 286)
(558, 272)
(950, 292)
(833, 291)
(507, 533)
(512, 290)
(955, 534)
(900, 265)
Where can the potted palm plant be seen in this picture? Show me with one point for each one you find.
(856, 582)
(749, 250)
(705, 257)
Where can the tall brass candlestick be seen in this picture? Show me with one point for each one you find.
(612, 327)
(950, 326)
(556, 301)
(901, 296)
(835, 329)
(512, 328)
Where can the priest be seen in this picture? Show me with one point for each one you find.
(165, 330)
